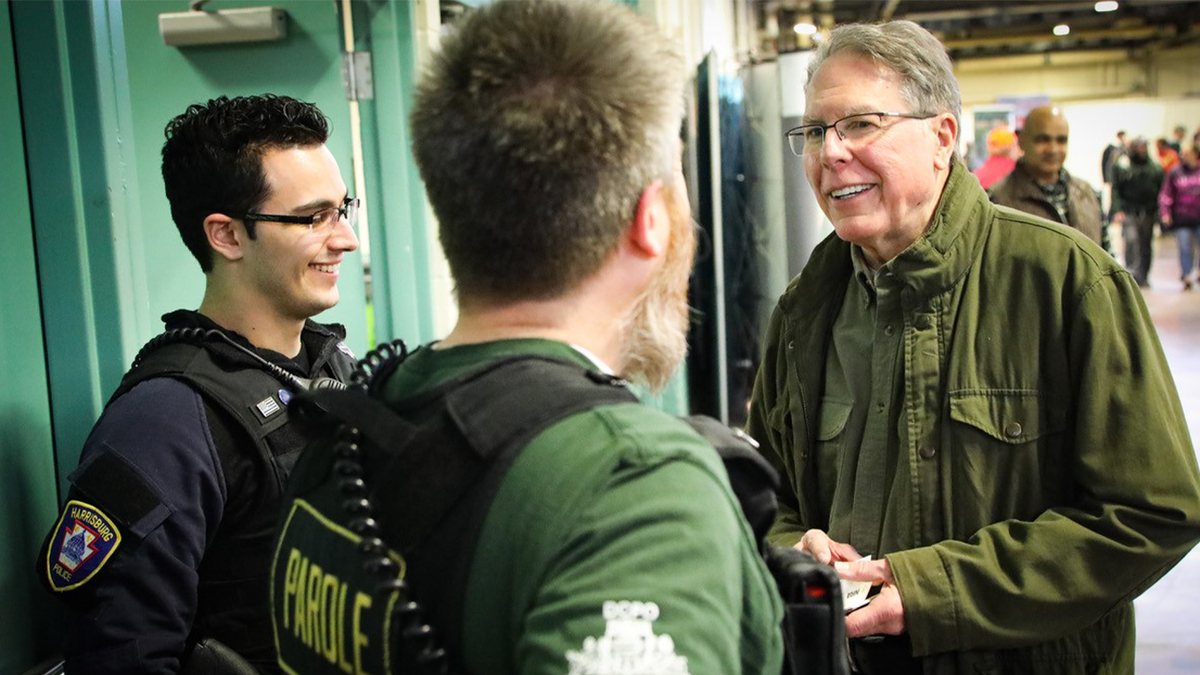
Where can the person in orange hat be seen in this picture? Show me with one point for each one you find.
(1002, 156)
(1168, 156)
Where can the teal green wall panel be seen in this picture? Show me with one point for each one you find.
(164, 80)
(673, 399)
(69, 142)
(26, 448)
(401, 271)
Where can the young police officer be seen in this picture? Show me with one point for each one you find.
(547, 135)
(165, 537)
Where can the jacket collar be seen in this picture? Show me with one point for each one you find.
(1024, 183)
(320, 341)
(940, 257)
(929, 266)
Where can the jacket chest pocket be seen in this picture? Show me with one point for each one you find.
(831, 436)
(1006, 450)
(832, 420)
(830, 449)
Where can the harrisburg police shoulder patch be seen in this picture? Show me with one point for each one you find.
(81, 543)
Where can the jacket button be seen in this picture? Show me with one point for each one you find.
(888, 330)
(923, 322)
(927, 452)
(1012, 429)
(791, 344)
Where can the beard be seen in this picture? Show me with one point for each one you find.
(655, 335)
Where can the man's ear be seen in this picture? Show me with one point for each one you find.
(225, 236)
(947, 136)
(651, 228)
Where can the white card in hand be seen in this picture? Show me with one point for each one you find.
(854, 593)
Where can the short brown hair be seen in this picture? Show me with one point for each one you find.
(535, 130)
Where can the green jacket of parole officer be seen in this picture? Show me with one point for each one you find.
(1050, 474)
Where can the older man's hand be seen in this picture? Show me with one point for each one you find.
(885, 614)
(824, 549)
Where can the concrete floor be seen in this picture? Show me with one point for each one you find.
(1168, 615)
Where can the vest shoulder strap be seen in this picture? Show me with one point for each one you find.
(255, 398)
(440, 478)
(753, 479)
(487, 417)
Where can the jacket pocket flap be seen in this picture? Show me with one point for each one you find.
(1012, 416)
(833, 419)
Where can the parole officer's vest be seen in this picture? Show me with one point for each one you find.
(347, 590)
(230, 380)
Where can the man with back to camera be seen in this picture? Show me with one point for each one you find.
(165, 538)
(1040, 185)
(1136, 182)
(972, 395)
(547, 135)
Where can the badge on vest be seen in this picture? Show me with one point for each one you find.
(327, 615)
(267, 407)
(84, 539)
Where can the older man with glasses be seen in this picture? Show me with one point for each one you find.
(161, 552)
(972, 396)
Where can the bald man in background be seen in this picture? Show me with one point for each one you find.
(1041, 186)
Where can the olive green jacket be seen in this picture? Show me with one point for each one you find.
(1064, 482)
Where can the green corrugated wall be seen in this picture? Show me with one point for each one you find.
(26, 451)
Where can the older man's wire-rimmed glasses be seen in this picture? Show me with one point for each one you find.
(321, 222)
(857, 130)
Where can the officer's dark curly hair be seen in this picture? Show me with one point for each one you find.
(212, 160)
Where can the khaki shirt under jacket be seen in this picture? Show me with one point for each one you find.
(1044, 472)
(1019, 190)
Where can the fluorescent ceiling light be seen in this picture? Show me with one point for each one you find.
(1107, 6)
(805, 28)
(1062, 29)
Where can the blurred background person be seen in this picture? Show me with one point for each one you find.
(1003, 152)
(1134, 204)
(1112, 153)
(1179, 209)
(1168, 154)
(1041, 186)
(1178, 134)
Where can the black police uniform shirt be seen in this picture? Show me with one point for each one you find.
(138, 595)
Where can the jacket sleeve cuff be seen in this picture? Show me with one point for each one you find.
(930, 611)
(786, 531)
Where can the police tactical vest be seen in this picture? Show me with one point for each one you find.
(256, 402)
(347, 590)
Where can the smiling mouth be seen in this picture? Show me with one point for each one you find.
(328, 269)
(849, 191)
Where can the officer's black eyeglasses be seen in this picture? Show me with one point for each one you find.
(856, 130)
(321, 222)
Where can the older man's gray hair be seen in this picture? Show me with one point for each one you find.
(914, 53)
